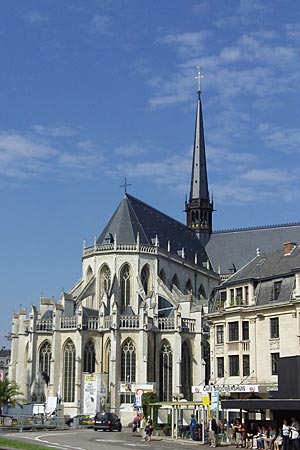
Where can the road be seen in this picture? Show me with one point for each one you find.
(88, 439)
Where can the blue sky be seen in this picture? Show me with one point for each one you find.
(93, 91)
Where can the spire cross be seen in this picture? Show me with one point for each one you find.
(198, 77)
(125, 185)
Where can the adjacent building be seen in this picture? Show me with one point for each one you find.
(4, 363)
(254, 319)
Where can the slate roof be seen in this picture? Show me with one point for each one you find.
(264, 270)
(272, 265)
(234, 248)
(132, 216)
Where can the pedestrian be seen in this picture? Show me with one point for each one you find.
(212, 431)
(136, 424)
(285, 435)
(149, 429)
(192, 426)
(143, 425)
(294, 434)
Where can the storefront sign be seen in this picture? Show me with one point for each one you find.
(225, 388)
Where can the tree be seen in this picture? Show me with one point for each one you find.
(9, 393)
(147, 398)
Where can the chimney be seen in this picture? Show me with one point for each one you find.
(288, 247)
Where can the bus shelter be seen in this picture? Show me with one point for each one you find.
(176, 408)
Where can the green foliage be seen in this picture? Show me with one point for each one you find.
(147, 398)
(9, 391)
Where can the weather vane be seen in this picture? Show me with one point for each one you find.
(125, 185)
(198, 77)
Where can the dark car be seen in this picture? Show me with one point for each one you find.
(107, 421)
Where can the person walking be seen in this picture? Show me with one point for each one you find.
(212, 431)
(143, 425)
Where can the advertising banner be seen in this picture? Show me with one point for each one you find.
(89, 394)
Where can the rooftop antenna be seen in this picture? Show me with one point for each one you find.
(125, 185)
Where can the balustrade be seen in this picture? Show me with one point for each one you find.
(68, 322)
(129, 322)
(44, 325)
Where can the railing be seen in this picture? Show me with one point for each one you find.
(166, 323)
(44, 325)
(30, 423)
(93, 323)
(107, 322)
(120, 248)
(188, 325)
(246, 346)
(129, 322)
(68, 322)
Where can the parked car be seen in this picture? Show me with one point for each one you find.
(107, 421)
(81, 419)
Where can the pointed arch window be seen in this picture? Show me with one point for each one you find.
(107, 353)
(125, 287)
(166, 370)
(128, 362)
(128, 370)
(145, 278)
(89, 357)
(186, 371)
(105, 279)
(69, 355)
(44, 359)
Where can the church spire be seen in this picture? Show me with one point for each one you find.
(199, 208)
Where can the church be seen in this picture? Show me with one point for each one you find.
(135, 321)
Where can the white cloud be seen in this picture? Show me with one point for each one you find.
(101, 24)
(285, 140)
(129, 150)
(34, 17)
(26, 156)
(54, 131)
(186, 44)
(269, 175)
(164, 172)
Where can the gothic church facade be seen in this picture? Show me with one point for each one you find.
(134, 321)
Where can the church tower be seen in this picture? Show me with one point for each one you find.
(199, 208)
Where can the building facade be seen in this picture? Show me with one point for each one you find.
(4, 363)
(254, 319)
(135, 319)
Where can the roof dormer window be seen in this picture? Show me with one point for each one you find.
(276, 290)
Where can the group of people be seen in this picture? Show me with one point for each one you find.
(144, 425)
(258, 436)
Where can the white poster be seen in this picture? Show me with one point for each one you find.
(89, 394)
